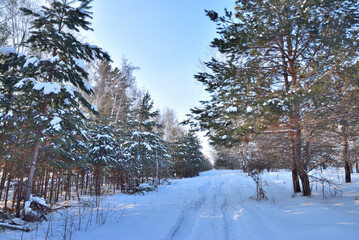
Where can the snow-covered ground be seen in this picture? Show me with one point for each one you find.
(215, 205)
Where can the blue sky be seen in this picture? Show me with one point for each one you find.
(165, 38)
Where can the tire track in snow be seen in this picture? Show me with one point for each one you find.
(189, 212)
(205, 218)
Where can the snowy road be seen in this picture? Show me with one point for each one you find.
(217, 205)
(207, 217)
(205, 207)
(214, 206)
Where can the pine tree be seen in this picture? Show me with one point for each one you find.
(102, 151)
(143, 140)
(187, 157)
(55, 79)
(274, 53)
(15, 122)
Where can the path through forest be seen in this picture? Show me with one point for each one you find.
(218, 205)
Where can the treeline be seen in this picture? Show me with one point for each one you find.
(60, 137)
(284, 87)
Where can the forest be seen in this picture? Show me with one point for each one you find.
(283, 91)
(73, 124)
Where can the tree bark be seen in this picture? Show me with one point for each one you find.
(295, 178)
(296, 144)
(346, 157)
(58, 187)
(32, 170)
(47, 178)
(7, 190)
(77, 186)
(19, 194)
(295, 133)
(3, 178)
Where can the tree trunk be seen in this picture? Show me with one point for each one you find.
(77, 186)
(19, 197)
(40, 188)
(346, 157)
(47, 177)
(306, 154)
(69, 185)
(296, 142)
(295, 133)
(295, 178)
(98, 178)
(3, 179)
(7, 190)
(32, 170)
(82, 181)
(13, 198)
(52, 187)
(58, 187)
(87, 183)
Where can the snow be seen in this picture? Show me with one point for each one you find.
(31, 60)
(23, 81)
(70, 90)
(80, 63)
(67, 102)
(218, 205)
(81, 10)
(91, 45)
(41, 13)
(98, 136)
(249, 109)
(10, 114)
(55, 123)
(7, 50)
(87, 86)
(38, 200)
(52, 59)
(48, 87)
(231, 109)
(94, 108)
(148, 146)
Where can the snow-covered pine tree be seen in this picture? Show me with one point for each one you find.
(161, 157)
(188, 160)
(274, 53)
(143, 141)
(58, 79)
(15, 122)
(102, 151)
